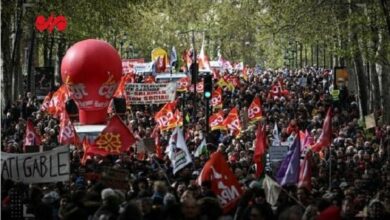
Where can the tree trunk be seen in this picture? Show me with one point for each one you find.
(6, 15)
(383, 71)
(374, 85)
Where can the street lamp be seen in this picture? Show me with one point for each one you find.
(123, 40)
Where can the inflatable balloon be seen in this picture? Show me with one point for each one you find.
(91, 69)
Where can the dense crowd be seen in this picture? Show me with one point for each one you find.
(360, 177)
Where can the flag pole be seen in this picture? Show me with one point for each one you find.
(160, 168)
(330, 167)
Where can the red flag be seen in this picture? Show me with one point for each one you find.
(216, 74)
(260, 147)
(183, 84)
(254, 110)
(216, 98)
(199, 87)
(67, 134)
(232, 122)
(216, 121)
(160, 63)
(31, 137)
(165, 115)
(325, 138)
(46, 102)
(305, 172)
(177, 120)
(115, 138)
(224, 183)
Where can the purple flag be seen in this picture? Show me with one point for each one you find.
(288, 172)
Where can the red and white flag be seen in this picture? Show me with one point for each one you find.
(31, 137)
(325, 138)
(254, 110)
(232, 122)
(67, 134)
(224, 183)
(216, 98)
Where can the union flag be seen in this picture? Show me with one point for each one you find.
(224, 183)
(216, 98)
(232, 122)
(46, 102)
(57, 102)
(67, 134)
(176, 121)
(120, 92)
(165, 115)
(216, 121)
(254, 110)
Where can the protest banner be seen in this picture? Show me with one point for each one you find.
(156, 93)
(48, 166)
(115, 178)
(128, 65)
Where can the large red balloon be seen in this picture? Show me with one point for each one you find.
(91, 69)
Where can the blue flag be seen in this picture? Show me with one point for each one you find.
(288, 172)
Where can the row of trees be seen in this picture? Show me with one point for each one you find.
(352, 33)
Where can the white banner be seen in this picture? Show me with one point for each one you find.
(156, 93)
(48, 166)
(278, 152)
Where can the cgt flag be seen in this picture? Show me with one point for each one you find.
(254, 110)
(177, 151)
(216, 98)
(182, 84)
(57, 102)
(325, 138)
(216, 121)
(224, 183)
(165, 115)
(115, 138)
(232, 122)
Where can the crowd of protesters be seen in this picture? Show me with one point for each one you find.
(359, 160)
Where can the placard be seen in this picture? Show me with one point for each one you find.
(115, 178)
(277, 152)
(48, 166)
(156, 93)
(370, 121)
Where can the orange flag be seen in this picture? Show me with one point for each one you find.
(57, 102)
(120, 92)
(165, 115)
(254, 110)
(224, 183)
(216, 98)
(176, 121)
(232, 122)
(115, 138)
(46, 102)
(216, 121)
(31, 137)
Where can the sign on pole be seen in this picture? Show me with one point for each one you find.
(156, 93)
(48, 166)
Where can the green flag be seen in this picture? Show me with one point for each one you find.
(202, 149)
